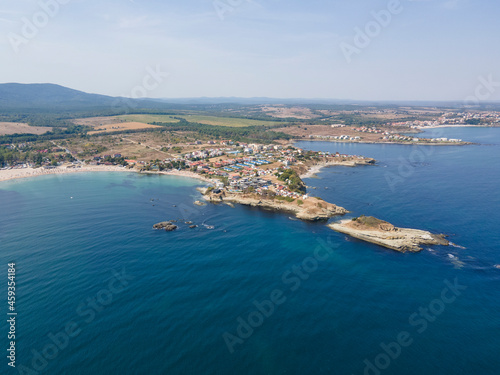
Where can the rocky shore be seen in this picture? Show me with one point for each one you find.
(311, 209)
(387, 235)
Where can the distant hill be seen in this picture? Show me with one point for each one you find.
(49, 96)
(17, 95)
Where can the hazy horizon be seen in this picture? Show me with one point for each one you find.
(286, 101)
(420, 50)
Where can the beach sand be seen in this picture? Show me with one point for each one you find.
(12, 174)
(312, 171)
(315, 169)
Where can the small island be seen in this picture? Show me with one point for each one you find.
(166, 226)
(371, 229)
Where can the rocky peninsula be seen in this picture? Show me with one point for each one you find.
(308, 209)
(382, 233)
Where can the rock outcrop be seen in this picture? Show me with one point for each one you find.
(165, 225)
(311, 209)
(387, 235)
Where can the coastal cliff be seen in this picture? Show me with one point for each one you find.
(387, 235)
(310, 209)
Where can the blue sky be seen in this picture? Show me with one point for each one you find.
(428, 50)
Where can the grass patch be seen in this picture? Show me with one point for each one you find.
(207, 120)
(227, 121)
(288, 199)
(148, 118)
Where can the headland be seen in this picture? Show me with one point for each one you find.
(382, 233)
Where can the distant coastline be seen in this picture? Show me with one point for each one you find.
(386, 143)
(457, 126)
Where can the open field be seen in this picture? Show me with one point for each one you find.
(142, 146)
(7, 128)
(226, 121)
(208, 120)
(121, 126)
(109, 120)
(147, 119)
(280, 111)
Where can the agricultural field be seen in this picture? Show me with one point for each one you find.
(7, 128)
(109, 120)
(121, 126)
(208, 120)
(281, 111)
(227, 121)
(148, 119)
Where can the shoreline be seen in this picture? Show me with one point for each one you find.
(457, 126)
(21, 173)
(316, 168)
(388, 143)
(387, 235)
(310, 209)
(307, 209)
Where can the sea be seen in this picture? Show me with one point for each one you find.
(248, 291)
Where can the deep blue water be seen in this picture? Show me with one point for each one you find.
(69, 235)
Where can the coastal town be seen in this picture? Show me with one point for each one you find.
(467, 118)
(387, 136)
(263, 169)
(236, 167)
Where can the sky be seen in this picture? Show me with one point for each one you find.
(336, 49)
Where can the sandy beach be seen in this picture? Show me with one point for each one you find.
(315, 169)
(179, 174)
(12, 174)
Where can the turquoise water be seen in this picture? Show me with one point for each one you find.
(181, 294)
